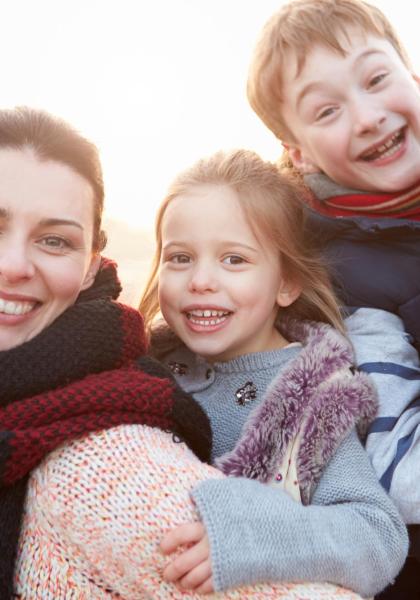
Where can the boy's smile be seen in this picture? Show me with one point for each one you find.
(355, 117)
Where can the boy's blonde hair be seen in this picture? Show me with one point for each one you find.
(275, 211)
(295, 29)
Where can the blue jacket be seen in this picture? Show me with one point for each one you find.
(375, 263)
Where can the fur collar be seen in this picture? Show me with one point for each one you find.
(320, 391)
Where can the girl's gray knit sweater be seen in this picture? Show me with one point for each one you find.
(349, 533)
(215, 386)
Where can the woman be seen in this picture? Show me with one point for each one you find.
(71, 357)
(86, 491)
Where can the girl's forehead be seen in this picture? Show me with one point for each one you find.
(204, 201)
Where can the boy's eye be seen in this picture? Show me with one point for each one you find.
(233, 259)
(326, 112)
(377, 79)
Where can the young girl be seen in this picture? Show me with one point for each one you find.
(254, 332)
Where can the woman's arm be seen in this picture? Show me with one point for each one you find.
(97, 510)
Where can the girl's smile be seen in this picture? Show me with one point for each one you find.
(207, 320)
(212, 270)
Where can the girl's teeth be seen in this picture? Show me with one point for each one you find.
(206, 323)
(208, 313)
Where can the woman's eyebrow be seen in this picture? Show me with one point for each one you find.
(53, 221)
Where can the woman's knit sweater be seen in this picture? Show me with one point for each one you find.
(96, 511)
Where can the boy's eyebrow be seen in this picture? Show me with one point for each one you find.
(319, 84)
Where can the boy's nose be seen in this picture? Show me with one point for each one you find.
(15, 263)
(367, 118)
(202, 279)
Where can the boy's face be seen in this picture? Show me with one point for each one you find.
(356, 117)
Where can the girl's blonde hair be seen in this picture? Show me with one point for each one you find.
(274, 208)
(294, 30)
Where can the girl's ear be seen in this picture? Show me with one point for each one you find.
(416, 78)
(92, 271)
(301, 162)
(289, 291)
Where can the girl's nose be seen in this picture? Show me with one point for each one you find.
(203, 279)
(15, 262)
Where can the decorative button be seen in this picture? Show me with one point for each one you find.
(246, 393)
(279, 477)
(178, 368)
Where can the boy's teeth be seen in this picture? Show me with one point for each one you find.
(15, 308)
(387, 149)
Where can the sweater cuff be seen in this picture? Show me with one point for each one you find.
(244, 548)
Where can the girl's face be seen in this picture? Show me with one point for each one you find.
(219, 286)
(46, 230)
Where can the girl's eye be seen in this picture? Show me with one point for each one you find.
(55, 242)
(233, 259)
(377, 79)
(179, 259)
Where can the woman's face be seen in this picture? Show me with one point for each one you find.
(46, 232)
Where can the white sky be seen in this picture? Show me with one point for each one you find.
(155, 84)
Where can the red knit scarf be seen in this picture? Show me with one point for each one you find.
(84, 373)
(400, 205)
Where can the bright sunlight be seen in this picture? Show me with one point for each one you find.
(155, 84)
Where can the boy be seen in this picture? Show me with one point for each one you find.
(332, 81)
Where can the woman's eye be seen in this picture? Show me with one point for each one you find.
(54, 242)
(233, 259)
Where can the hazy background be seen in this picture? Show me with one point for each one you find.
(155, 84)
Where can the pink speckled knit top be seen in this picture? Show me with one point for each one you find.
(96, 511)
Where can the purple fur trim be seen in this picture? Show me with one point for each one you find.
(316, 394)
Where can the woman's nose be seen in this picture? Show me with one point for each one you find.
(15, 262)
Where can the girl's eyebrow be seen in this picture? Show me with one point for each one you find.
(223, 243)
(239, 245)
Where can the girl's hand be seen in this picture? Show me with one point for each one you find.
(191, 570)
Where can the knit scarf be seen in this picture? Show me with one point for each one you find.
(330, 199)
(85, 372)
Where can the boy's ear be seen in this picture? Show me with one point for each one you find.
(301, 162)
(289, 291)
(92, 271)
